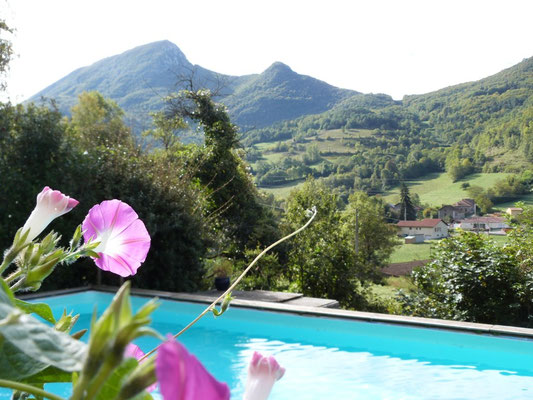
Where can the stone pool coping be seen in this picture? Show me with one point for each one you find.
(322, 311)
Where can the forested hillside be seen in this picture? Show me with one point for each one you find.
(371, 142)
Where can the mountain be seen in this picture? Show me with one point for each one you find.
(140, 78)
(278, 94)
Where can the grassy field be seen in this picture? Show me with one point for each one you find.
(422, 251)
(527, 199)
(437, 189)
(412, 252)
(327, 141)
(282, 192)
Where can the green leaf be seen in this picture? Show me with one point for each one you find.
(15, 365)
(43, 310)
(112, 386)
(41, 343)
(6, 295)
(49, 375)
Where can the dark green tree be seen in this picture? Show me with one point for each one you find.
(407, 209)
(234, 199)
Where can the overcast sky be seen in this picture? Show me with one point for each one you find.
(396, 47)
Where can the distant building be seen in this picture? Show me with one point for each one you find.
(484, 224)
(512, 211)
(431, 228)
(459, 210)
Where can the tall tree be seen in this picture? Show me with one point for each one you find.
(372, 237)
(221, 168)
(407, 209)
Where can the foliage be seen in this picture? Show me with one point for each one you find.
(473, 279)
(166, 129)
(97, 121)
(220, 267)
(233, 198)
(269, 274)
(37, 146)
(322, 260)
(371, 237)
(6, 51)
(407, 209)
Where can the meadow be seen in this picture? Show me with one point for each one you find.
(436, 189)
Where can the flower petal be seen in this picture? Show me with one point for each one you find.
(182, 377)
(124, 240)
(134, 351)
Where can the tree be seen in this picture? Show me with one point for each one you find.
(481, 197)
(221, 168)
(321, 260)
(407, 209)
(6, 52)
(99, 121)
(373, 239)
(473, 279)
(166, 129)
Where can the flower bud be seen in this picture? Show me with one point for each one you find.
(142, 378)
(37, 275)
(263, 372)
(66, 322)
(50, 205)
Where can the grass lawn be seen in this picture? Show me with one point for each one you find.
(282, 192)
(437, 189)
(412, 252)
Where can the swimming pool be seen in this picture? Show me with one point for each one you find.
(330, 358)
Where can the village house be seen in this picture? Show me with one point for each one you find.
(459, 210)
(484, 224)
(431, 228)
(512, 211)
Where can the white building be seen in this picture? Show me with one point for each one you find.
(484, 224)
(431, 228)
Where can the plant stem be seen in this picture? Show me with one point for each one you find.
(14, 275)
(18, 284)
(4, 265)
(79, 389)
(29, 389)
(213, 304)
(100, 378)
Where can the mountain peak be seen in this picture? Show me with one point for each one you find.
(278, 67)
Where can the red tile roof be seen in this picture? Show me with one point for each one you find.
(425, 223)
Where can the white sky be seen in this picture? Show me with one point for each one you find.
(396, 47)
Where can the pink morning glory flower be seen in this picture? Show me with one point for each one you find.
(124, 240)
(134, 351)
(50, 205)
(182, 377)
(263, 372)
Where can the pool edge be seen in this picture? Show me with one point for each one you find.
(468, 327)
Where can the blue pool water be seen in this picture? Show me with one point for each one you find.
(328, 358)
